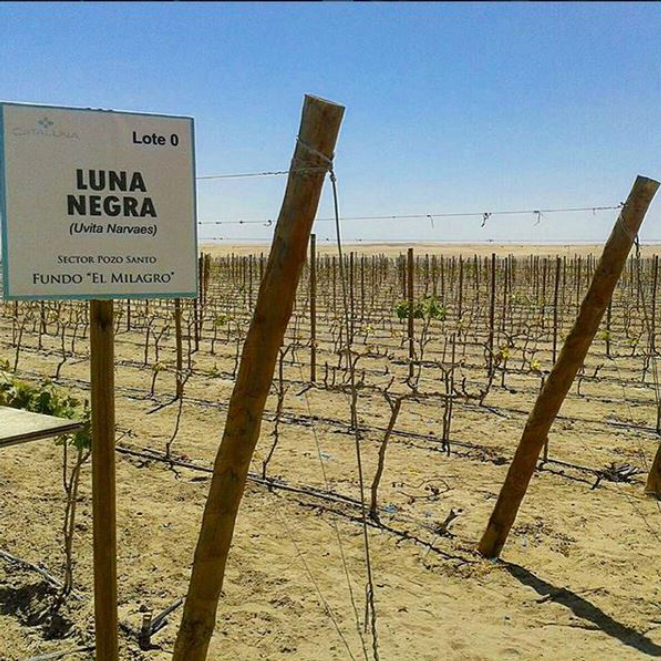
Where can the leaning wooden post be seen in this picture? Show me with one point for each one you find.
(569, 362)
(313, 308)
(320, 124)
(102, 380)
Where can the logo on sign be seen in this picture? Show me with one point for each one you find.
(46, 123)
(45, 128)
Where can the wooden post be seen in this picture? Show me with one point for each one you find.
(653, 486)
(476, 277)
(362, 289)
(609, 314)
(179, 350)
(207, 277)
(102, 379)
(442, 278)
(313, 308)
(556, 291)
(334, 276)
(320, 124)
(196, 327)
(42, 322)
(543, 299)
(198, 301)
(652, 329)
(571, 359)
(434, 284)
(409, 295)
(461, 289)
(249, 281)
(352, 306)
(503, 321)
(492, 311)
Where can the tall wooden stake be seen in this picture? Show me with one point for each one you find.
(320, 124)
(313, 308)
(179, 350)
(409, 294)
(352, 307)
(569, 362)
(653, 486)
(492, 311)
(102, 381)
(461, 289)
(655, 284)
(556, 291)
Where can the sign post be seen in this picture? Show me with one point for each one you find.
(98, 205)
(102, 379)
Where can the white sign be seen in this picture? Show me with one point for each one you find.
(96, 204)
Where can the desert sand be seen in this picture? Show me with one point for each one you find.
(580, 574)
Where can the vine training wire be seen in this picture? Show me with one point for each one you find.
(484, 215)
(334, 523)
(370, 605)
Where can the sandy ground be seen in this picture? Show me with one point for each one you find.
(580, 576)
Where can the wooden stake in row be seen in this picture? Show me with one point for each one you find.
(571, 359)
(411, 324)
(313, 308)
(320, 124)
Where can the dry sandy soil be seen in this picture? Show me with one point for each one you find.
(579, 578)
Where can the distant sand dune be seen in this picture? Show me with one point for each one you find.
(432, 248)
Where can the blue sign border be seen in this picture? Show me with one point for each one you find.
(3, 211)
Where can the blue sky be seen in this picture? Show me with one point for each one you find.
(450, 107)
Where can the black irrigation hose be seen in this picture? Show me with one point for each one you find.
(328, 496)
(305, 420)
(61, 655)
(466, 404)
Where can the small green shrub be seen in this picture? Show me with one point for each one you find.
(427, 307)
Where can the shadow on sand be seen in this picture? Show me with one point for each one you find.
(585, 610)
(33, 605)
